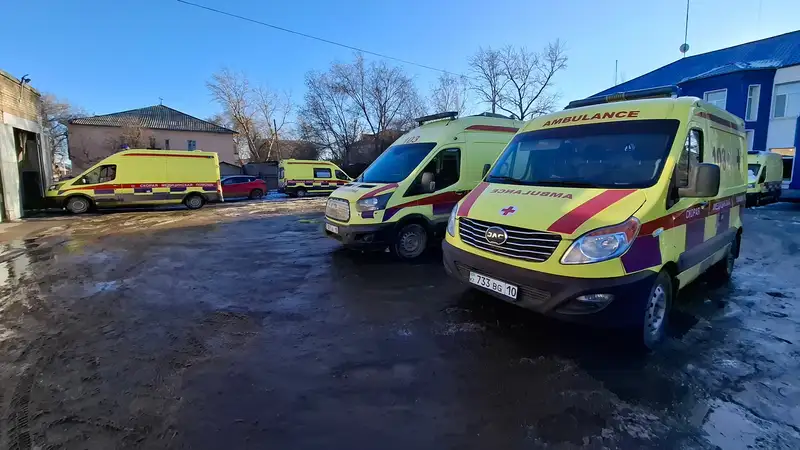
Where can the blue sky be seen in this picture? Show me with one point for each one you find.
(107, 56)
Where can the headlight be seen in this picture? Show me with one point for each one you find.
(751, 185)
(373, 203)
(52, 187)
(602, 244)
(451, 222)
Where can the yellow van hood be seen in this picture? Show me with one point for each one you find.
(356, 191)
(568, 211)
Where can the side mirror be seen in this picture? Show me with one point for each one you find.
(428, 183)
(703, 182)
(486, 168)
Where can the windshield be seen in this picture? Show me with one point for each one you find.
(752, 171)
(396, 163)
(606, 155)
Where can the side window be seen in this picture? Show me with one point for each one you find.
(322, 173)
(691, 156)
(341, 175)
(763, 176)
(446, 168)
(102, 174)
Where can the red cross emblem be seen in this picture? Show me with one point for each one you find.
(508, 211)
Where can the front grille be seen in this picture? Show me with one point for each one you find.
(338, 209)
(536, 246)
(526, 293)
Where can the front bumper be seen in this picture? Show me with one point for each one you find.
(361, 236)
(555, 295)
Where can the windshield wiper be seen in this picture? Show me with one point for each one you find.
(506, 180)
(577, 184)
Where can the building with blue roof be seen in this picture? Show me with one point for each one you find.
(758, 81)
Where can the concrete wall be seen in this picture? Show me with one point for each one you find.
(782, 130)
(90, 144)
(737, 84)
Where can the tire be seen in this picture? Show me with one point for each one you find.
(194, 201)
(78, 205)
(301, 193)
(256, 194)
(410, 242)
(722, 270)
(655, 314)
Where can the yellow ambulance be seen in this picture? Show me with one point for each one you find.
(403, 199)
(299, 178)
(764, 177)
(602, 212)
(142, 177)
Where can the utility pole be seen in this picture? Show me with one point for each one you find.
(616, 67)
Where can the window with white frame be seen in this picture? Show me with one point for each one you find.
(717, 98)
(191, 144)
(753, 96)
(786, 102)
(751, 136)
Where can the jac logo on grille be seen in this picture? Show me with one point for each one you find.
(496, 236)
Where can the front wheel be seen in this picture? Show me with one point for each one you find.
(656, 312)
(301, 193)
(78, 205)
(194, 202)
(256, 194)
(410, 242)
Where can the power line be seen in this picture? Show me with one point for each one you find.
(308, 36)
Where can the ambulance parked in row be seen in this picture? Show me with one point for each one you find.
(764, 177)
(142, 177)
(300, 178)
(403, 199)
(602, 212)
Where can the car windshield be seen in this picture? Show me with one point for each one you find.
(752, 170)
(396, 163)
(606, 155)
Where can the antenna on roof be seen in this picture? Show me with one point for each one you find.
(685, 46)
(160, 101)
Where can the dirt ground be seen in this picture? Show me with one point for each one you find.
(242, 326)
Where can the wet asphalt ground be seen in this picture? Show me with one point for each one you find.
(244, 327)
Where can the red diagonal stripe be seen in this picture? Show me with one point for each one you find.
(570, 221)
(379, 190)
(470, 199)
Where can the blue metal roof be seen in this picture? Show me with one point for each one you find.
(770, 53)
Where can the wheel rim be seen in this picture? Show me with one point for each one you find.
(301, 193)
(656, 312)
(411, 241)
(80, 205)
(258, 194)
(195, 202)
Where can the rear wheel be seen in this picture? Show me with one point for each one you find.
(194, 202)
(411, 241)
(78, 205)
(301, 193)
(722, 270)
(656, 312)
(256, 194)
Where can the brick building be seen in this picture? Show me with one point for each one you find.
(25, 165)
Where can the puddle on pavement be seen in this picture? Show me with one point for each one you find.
(727, 427)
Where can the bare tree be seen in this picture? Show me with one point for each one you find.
(449, 93)
(385, 95)
(488, 79)
(55, 116)
(529, 79)
(255, 112)
(328, 119)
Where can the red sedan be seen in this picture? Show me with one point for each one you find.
(239, 186)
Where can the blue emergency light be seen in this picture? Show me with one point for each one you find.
(656, 92)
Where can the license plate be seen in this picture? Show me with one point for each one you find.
(332, 228)
(509, 290)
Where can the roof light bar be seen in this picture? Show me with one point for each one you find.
(656, 92)
(438, 116)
